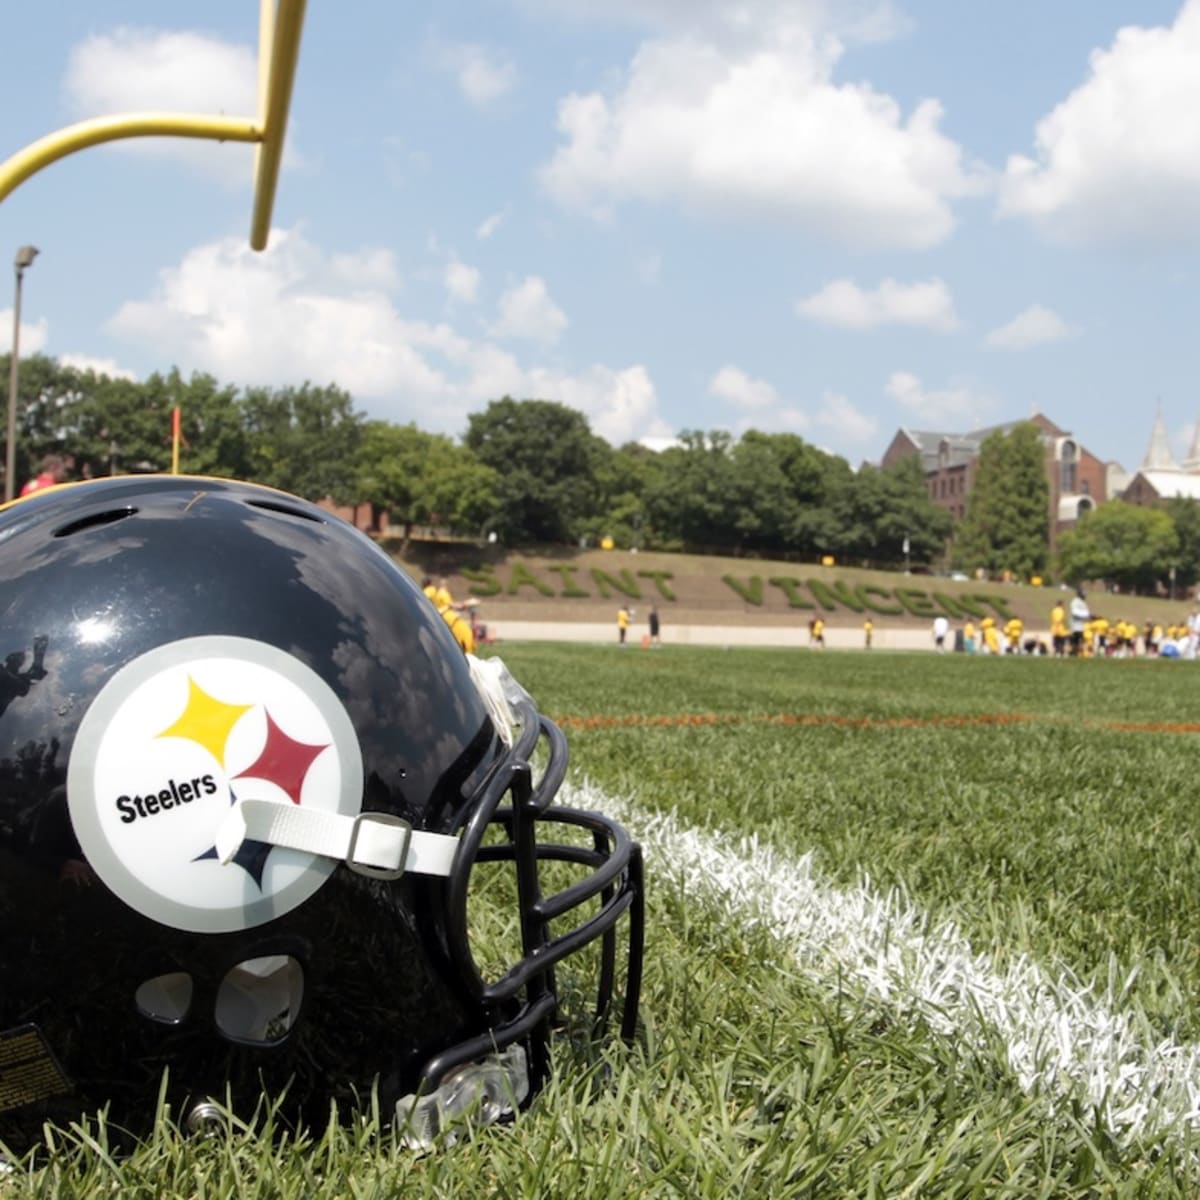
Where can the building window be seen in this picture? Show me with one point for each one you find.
(1068, 468)
(1085, 486)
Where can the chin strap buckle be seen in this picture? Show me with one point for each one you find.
(378, 838)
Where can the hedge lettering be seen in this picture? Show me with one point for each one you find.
(483, 580)
(565, 572)
(626, 585)
(831, 595)
(522, 576)
(788, 587)
(660, 581)
(751, 591)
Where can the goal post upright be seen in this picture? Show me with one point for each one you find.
(281, 24)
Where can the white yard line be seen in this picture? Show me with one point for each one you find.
(1062, 1039)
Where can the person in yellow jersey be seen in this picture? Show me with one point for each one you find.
(1100, 632)
(1123, 636)
(868, 633)
(623, 616)
(460, 626)
(990, 634)
(817, 633)
(1013, 629)
(1089, 638)
(1058, 629)
(969, 637)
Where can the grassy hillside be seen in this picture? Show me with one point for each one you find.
(588, 585)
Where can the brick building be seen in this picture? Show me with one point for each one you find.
(1078, 480)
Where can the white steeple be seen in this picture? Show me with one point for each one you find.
(1192, 462)
(1158, 453)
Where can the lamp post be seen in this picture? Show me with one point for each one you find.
(24, 258)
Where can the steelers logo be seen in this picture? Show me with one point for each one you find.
(172, 742)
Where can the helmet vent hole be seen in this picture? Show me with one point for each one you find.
(259, 1000)
(288, 510)
(166, 999)
(94, 521)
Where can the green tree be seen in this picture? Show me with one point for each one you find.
(624, 477)
(695, 500)
(423, 478)
(1122, 544)
(546, 460)
(122, 426)
(877, 509)
(1007, 523)
(48, 396)
(304, 440)
(1185, 516)
(909, 513)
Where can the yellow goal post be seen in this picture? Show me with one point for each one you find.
(281, 23)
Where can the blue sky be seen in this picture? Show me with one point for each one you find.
(828, 217)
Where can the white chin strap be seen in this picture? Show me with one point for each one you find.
(375, 844)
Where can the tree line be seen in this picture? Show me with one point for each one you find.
(532, 471)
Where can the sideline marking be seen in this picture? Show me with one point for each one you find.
(1063, 1038)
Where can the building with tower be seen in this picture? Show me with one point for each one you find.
(1160, 477)
(1077, 479)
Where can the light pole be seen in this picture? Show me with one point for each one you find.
(24, 258)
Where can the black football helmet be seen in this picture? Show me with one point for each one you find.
(247, 779)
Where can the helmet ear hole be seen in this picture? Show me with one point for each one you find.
(166, 999)
(259, 1000)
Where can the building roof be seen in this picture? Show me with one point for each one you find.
(1171, 483)
(962, 447)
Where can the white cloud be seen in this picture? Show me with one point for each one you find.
(733, 385)
(754, 126)
(1036, 326)
(528, 311)
(483, 74)
(841, 418)
(488, 226)
(138, 70)
(33, 335)
(621, 406)
(765, 410)
(951, 407)
(100, 366)
(462, 281)
(371, 268)
(843, 303)
(1119, 159)
(290, 314)
(847, 20)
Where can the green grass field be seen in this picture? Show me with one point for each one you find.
(918, 926)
